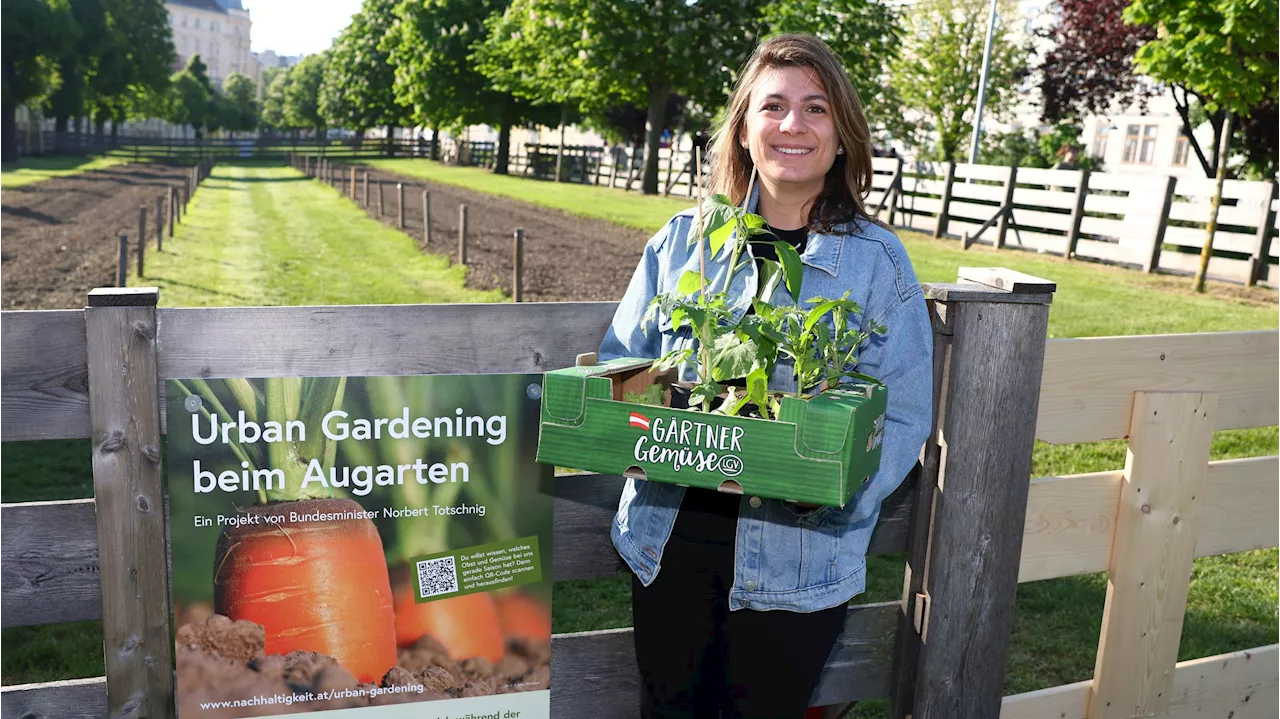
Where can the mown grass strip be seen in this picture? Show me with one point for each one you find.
(261, 234)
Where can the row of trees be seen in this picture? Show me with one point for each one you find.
(109, 60)
(101, 59)
(636, 71)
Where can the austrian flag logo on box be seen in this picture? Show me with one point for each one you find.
(639, 420)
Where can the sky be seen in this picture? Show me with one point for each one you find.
(297, 27)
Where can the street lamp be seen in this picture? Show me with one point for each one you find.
(982, 84)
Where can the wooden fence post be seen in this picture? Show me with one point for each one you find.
(895, 190)
(1262, 247)
(426, 218)
(122, 263)
(352, 181)
(1077, 215)
(381, 201)
(159, 223)
(365, 181)
(943, 212)
(517, 263)
(906, 654)
(400, 205)
(1002, 228)
(1155, 541)
(462, 234)
(994, 363)
(142, 237)
(124, 414)
(173, 210)
(1152, 260)
(613, 167)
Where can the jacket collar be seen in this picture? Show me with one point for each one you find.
(822, 250)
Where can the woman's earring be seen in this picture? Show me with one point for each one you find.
(839, 150)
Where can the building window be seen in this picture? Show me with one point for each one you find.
(1131, 143)
(196, 24)
(1148, 155)
(1181, 150)
(1100, 141)
(184, 19)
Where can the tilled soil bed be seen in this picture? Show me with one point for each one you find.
(60, 238)
(566, 258)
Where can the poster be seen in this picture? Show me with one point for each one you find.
(360, 547)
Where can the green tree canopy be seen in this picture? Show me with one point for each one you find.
(1219, 55)
(276, 81)
(358, 88)
(431, 46)
(33, 35)
(192, 99)
(239, 103)
(936, 73)
(302, 94)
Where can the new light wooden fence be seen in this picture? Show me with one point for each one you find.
(970, 537)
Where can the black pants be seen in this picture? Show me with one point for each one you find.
(698, 660)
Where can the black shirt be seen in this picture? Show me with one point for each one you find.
(707, 515)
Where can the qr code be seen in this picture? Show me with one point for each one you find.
(436, 577)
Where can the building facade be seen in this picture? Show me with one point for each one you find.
(217, 31)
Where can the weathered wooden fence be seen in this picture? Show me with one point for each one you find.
(1146, 222)
(981, 526)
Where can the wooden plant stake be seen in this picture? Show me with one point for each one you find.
(517, 273)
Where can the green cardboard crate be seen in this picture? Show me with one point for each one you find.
(818, 451)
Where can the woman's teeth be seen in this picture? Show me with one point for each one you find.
(792, 151)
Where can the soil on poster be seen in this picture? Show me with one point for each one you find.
(220, 660)
(61, 236)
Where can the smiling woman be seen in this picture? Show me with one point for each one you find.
(708, 565)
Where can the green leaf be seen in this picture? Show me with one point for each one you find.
(815, 314)
(704, 393)
(732, 357)
(769, 277)
(792, 268)
(719, 237)
(690, 283)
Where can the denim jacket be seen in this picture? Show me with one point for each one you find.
(787, 557)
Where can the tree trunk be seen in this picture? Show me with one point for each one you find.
(502, 158)
(60, 123)
(9, 121)
(564, 117)
(435, 143)
(658, 92)
(391, 145)
(115, 131)
(99, 131)
(1211, 228)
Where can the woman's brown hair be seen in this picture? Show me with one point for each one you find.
(849, 179)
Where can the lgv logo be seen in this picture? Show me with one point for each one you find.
(689, 443)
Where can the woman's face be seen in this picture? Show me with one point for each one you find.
(789, 129)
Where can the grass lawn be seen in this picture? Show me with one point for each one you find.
(1232, 601)
(34, 169)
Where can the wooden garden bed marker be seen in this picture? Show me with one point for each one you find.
(142, 237)
(517, 273)
(462, 234)
(122, 265)
(159, 223)
(426, 218)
